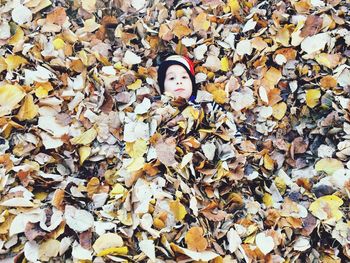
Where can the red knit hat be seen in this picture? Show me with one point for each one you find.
(183, 61)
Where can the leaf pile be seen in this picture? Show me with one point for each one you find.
(94, 168)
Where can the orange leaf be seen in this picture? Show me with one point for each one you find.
(195, 240)
(328, 82)
(57, 16)
(93, 186)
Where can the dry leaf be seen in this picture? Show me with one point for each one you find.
(195, 240)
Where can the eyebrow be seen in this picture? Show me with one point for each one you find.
(172, 72)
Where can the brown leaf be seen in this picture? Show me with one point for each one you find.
(166, 151)
(57, 16)
(312, 26)
(33, 230)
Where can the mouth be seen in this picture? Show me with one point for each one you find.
(179, 89)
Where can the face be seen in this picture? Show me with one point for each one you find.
(178, 82)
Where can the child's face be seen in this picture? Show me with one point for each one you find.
(178, 82)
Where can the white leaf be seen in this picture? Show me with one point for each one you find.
(209, 150)
(50, 125)
(186, 159)
(50, 142)
(200, 51)
(138, 4)
(20, 221)
(21, 14)
(242, 99)
(264, 243)
(244, 47)
(147, 247)
(315, 43)
(31, 251)
(250, 25)
(189, 41)
(143, 107)
(78, 252)
(263, 94)
(65, 244)
(17, 202)
(108, 70)
(230, 39)
(239, 69)
(78, 219)
(234, 240)
(5, 30)
(131, 58)
(213, 63)
(302, 244)
(198, 256)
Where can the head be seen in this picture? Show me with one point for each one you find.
(176, 76)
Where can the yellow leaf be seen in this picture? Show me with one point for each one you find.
(328, 165)
(219, 96)
(41, 195)
(29, 110)
(177, 209)
(117, 190)
(279, 110)
(14, 61)
(83, 57)
(3, 65)
(84, 153)
(272, 77)
(10, 96)
(137, 148)
(136, 164)
(17, 37)
(159, 224)
(328, 60)
(224, 64)
(85, 138)
(137, 84)
(181, 30)
(200, 22)
(267, 199)
(327, 208)
(93, 186)
(58, 43)
(42, 89)
(114, 251)
(280, 184)
(49, 249)
(106, 241)
(234, 5)
(283, 36)
(312, 97)
(268, 162)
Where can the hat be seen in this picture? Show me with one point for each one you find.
(183, 61)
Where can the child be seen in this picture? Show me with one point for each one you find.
(176, 76)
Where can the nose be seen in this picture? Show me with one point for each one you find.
(179, 81)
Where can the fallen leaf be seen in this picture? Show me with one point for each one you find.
(177, 209)
(327, 208)
(195, 240)
(329, 165)
(312, 97)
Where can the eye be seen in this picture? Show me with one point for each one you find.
(184, 77)
(171, 78)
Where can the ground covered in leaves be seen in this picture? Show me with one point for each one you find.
(94, 167)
